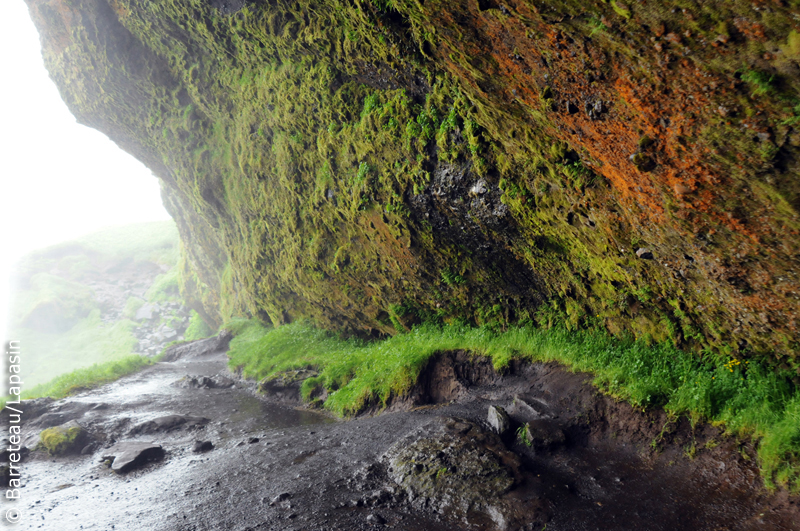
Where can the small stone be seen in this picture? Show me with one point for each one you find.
(479, 188)
(65, 439)
(644, 254)
(498, 420)
(253, 440)
(594, 108)
(128, 455)
(202, 446)
(283, 496)
(375, 519)
(543, 434)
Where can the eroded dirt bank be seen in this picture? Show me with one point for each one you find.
(591, 465)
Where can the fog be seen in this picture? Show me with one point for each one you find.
(59, 179)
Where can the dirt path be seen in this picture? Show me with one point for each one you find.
(278, 468)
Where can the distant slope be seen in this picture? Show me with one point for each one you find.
(75, 304)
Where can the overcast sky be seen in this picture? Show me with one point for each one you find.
(58, 179)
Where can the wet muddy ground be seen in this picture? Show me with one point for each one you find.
(274, 467)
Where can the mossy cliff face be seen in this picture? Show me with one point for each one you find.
(369, 164)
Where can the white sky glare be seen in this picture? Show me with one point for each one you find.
(58, 179)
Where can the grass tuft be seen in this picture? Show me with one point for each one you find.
(745, 398)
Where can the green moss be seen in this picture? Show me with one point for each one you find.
(197, 329)
(61, 440)
(620, 9)
(165, 287)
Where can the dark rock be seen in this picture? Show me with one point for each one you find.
(127, 456)
(525, 408)
(375, 519)
(543, 433)
(202, 446)
(68, 438)
(204, 382)
(454, 467)
(594, 108)
(283, 496)
(499, 420)
(199, 347)
(167, 423)
(643, 162)
(253, 440)
(286, 384)
(33, 408)
(644, 254)
(222, 382)
(89, 448)
(194, 382)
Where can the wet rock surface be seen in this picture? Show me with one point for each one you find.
(204, 382)
(274, 467)
(499, 420)
(454, 467)
(126, 456)
(168, 423)
(198, 348)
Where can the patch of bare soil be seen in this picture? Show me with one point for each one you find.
(615, 467)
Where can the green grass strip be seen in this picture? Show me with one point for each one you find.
(745, 398)
(86, 378)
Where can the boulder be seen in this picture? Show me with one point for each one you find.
(204, 382)
(456, 468)
(126, 456)
(65, 439)
(542, 433)
(499, 420)
(199, 347)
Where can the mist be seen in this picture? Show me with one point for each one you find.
(61, 180)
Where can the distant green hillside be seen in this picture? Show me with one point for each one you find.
(74, 304)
